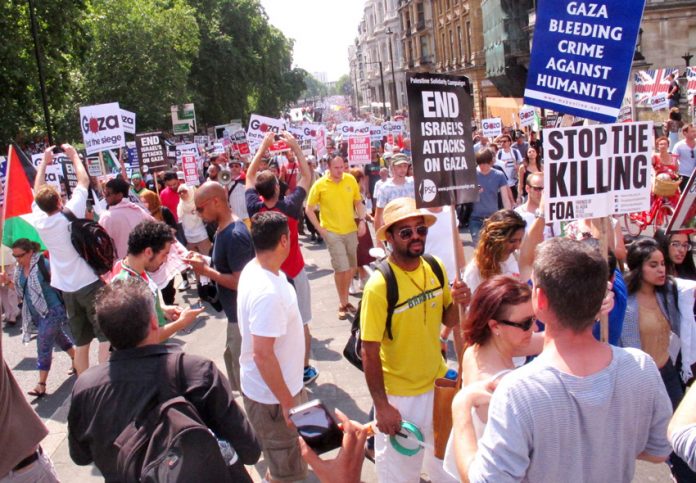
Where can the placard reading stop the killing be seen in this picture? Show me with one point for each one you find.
(444, 166)
(596, 171)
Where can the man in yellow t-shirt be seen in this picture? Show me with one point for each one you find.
(401, 371)
(338, 197)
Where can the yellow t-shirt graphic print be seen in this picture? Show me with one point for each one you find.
(411, 361)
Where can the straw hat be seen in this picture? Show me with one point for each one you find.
(402, 209)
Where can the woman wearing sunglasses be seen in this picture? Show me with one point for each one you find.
(652, 314)
(499, 325)
(41, 304)
(501, 235)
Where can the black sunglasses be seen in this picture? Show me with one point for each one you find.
(538, 189)
(406, 233)
(525, 324)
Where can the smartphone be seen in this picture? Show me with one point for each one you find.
(57, 150)
(197, 305)
(317, 426)
(277, 137)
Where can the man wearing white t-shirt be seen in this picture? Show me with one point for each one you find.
(70, 273)
(508, 160)
(685, 151)
(272, 355)
(530, 210)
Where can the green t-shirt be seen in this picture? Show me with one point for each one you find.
(124, 272)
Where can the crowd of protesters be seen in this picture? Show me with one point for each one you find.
(541, 399)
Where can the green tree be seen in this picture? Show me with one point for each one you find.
(315, 88)
(344, 86)
(140, 56)
(62, 41)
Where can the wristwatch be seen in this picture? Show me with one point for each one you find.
(538, 213)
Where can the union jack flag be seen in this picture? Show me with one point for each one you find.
(691, 84)
(649, 83)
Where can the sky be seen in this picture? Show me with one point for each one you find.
(322, 30)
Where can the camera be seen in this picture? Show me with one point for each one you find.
(278, 138)
(57, 150)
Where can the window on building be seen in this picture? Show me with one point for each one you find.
(443, 48)
(425, 49)
(468, 41)
(420, 14)
(460, 51)
(451, 46)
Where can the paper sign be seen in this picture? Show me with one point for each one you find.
(684, 217)
(190, 149)
(353, 128)
(151, 152)
(359, 150)
(101, 127)
(190, 167)
(94, 166)
(659, 102)
(68, 173)
(596, 171)
(54, 175)
(492, 128)
(128, 121)
(239, 142)
(582, 56)
(526, 116)
(259, 126)
(376, 133)
(444, 167)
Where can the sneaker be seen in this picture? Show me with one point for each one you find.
(310, 375)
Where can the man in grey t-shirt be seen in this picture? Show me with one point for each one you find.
(583, 411)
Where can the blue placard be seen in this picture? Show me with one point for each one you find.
(581, 56)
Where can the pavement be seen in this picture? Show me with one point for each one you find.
(339, 385)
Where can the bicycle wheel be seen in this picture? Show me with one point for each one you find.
(662, 217)
(633, 227)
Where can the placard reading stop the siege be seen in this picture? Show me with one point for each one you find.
(444, 167)
(596, 171)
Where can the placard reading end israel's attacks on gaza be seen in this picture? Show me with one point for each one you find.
(444, 167)
(596, 171)
(581, 57)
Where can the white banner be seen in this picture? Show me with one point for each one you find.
(352, 128)
(376, 133)
(128, 120)
(259, 126)
(492, 128)
(54, 173)
(526, 116)
(659, 102)
(596, 171)
(101, 127)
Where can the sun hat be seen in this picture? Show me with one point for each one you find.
(400, 158)
(402, 209)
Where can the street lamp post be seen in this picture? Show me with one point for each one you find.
(395, 102)
(381, 78)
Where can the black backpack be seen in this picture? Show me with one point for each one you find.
(92, 243)
(168, 442)
(352, 350)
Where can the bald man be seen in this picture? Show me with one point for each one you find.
(232, 249)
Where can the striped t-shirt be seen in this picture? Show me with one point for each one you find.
(546, 425)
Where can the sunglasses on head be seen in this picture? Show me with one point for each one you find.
(525, 324)
(406, 233)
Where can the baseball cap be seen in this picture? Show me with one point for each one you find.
(400, 158)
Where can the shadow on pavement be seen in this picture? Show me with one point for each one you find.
(321, 351)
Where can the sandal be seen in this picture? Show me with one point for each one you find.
(36, 393)
(342, 312)
(72, 371)
(351, 308)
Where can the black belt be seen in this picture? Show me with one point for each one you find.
(28, 460)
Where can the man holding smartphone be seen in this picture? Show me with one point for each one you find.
(272, 347)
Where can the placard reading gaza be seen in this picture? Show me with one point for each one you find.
(101, 127)
(151, 151)
(440, 109)
(595, 171)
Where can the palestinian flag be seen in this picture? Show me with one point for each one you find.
(17, 213)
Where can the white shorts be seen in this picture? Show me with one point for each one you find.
(394, 467)
(304, 297)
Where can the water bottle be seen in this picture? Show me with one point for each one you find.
(228, 453)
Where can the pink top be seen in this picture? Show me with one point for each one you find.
(119, 220)
(170, 199)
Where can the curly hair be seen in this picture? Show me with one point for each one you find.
(497, 230)
(492, 300)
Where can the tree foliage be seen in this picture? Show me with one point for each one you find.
(222, 55)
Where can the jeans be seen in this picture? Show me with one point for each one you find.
(475, 225)
(51, 332)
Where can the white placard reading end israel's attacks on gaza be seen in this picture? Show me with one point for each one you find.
(596, 171)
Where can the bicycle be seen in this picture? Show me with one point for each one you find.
(660, 212)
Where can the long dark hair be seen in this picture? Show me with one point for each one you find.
(638, 252)
(27, 245)
(687, 269)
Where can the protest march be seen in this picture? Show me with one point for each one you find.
(218, 266)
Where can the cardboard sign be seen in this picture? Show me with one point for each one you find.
(190, 167)
(659, 102)
(152, 153)
(131, 162)
(649, 83)
(353, 128)
(359, 150)
(304, 139)
(189, 149)
(376, 133)
(94, 166)
(259, 126)
(101, 127)
(201, 140)
(394, 128)
(239, 142)
(183, 119)
(321, 143)
(596, 171)
(128, 121)
(582, 56)
(492, 127)
(68, 173)
(527, 116)
(684, 217)
(444, 167)
(54, 176)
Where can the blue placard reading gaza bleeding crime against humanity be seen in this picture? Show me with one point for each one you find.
(581, 56)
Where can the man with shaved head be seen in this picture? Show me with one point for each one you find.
(232, 249)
